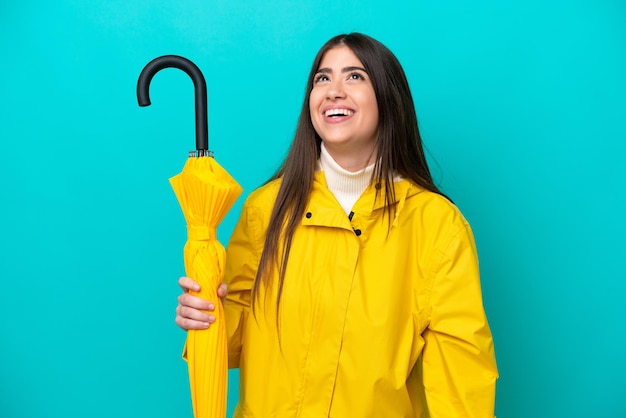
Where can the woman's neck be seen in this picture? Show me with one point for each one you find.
(351, 160)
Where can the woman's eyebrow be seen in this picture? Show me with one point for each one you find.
(350, 69)
(326, 70)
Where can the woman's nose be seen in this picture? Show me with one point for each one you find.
(336, 90)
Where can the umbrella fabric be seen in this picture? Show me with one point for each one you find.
(206, 192)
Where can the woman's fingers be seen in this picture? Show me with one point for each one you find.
(188, 284)
(192, 311)
(194, 308)
(188, 324)
(190, 301)
(222, 291)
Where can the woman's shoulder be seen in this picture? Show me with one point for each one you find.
(435, 208)
(263, 197)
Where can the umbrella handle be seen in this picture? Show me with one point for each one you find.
(175, 61)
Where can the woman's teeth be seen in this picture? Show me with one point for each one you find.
(338, 112)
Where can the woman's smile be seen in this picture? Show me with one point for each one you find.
(336, 114)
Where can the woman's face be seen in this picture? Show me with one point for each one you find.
(343, 104)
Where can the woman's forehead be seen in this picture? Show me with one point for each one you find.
(338, 57)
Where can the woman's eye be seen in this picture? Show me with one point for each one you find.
(356, 76)
(321, 77)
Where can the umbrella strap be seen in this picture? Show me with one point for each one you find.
(200, 233)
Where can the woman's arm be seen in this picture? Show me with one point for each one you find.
(242, 260)
(459, 367)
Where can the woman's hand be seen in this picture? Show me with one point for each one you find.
(193, 312)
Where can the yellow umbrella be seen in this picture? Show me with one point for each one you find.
(205, 192)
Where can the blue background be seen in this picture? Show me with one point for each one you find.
(522, 105)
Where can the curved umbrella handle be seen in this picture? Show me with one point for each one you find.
(166, 61)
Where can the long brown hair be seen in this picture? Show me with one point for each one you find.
(398, 148)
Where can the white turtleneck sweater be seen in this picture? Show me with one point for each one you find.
(347, 186)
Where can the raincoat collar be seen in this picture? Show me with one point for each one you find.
(324, 209)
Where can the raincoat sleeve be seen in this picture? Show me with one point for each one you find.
(242, 260)
(459, 367)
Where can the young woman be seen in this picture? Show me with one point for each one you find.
(353, 283)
